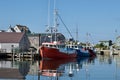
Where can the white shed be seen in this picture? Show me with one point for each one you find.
(13, 40)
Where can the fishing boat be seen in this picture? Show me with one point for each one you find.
(85, 52)
(82, 51)
(54, 49)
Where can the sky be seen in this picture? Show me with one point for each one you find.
(94, 20)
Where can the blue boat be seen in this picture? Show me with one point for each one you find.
(82, 52)
(85, 53)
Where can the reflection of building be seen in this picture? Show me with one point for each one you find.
(10, 73)
(14, 70)
(24, 67)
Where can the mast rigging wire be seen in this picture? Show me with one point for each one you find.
(65, 26)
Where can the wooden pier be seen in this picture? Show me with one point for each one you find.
(24, 55)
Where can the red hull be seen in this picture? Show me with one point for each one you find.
(53, 53)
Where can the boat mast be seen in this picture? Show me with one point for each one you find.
(52, 29)
(49, 28)
(55, 20)
(87, 42)
(48, 14)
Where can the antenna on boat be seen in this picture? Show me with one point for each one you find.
(76, 33)
(87, 39)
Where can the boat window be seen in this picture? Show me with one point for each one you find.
(50, 45)
(75, 46)
(58, 46)
(54, 45)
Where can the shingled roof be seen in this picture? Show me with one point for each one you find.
(10, 37)
(23, 28)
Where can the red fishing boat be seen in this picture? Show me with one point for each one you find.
(55, 51)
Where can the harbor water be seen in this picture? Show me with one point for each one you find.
(102, 67)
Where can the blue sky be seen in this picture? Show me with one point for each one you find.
(99, 18)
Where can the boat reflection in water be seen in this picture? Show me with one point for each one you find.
(53, 67)
(60, 68)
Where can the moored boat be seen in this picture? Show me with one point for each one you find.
(56, 50)
(81, 51)
(85, 53)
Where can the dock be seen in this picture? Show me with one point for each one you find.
(109, 52)
(18, 56)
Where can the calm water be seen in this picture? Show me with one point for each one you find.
(103, 67)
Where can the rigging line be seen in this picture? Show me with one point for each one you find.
(65, 25)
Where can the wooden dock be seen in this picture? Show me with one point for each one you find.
(24, 55)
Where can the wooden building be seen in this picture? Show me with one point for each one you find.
(10, 41)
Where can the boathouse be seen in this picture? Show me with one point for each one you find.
(10, 41)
